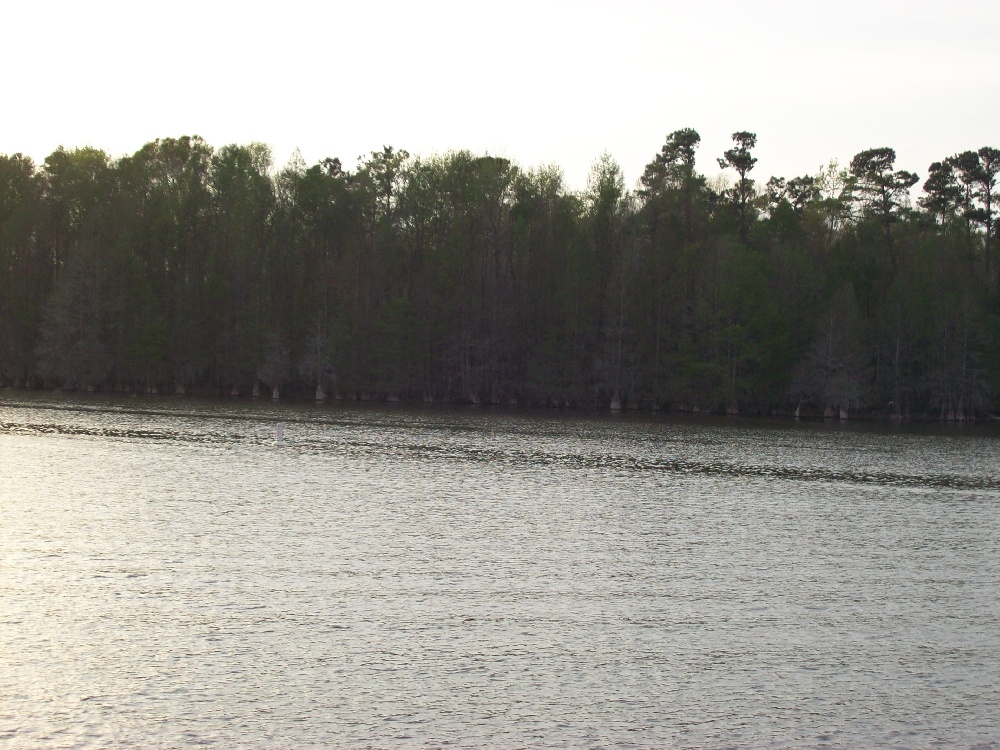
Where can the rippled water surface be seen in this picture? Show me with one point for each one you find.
(172, 576)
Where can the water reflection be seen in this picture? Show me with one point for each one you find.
(729, 450)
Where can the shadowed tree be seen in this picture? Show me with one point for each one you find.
(25, 273)
(463, 277)
(609, 207)
(989, 160)
(968, 170)
(942, 193)
(242, 206)
(977, 172)
(834, 374)
(167, 204)
(881, 191)
(670, 177)
(673, 215)
(740, 159)
(76, 329)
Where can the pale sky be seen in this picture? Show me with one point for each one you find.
(538, 82)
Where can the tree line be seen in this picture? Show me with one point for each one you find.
(464, 277)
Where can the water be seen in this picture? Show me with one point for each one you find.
(173, 576)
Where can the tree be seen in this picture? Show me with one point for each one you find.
(25, 275)
(882, 192)
(834, 374)
(740, 159)
(977, 177)
(989, 161)
(243, 202)
(942, 192)
(834, 200)
(670, 178)
(77, 329)
(462, 276)
(673, 164)
(609, 207)
(969, 172)
(166, 204)
(977, 171)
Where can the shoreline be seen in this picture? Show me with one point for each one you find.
(550, 405)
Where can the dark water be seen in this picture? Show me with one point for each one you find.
(170, 576)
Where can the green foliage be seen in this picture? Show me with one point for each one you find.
(462, 276)
(881, 192)
(740, 159)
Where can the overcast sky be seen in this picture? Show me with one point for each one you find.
(538, 82)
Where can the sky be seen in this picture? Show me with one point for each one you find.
(539, 82)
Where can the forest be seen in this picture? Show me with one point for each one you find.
(465, 278)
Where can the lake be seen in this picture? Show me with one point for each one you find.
(171, 575)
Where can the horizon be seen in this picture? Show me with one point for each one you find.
(724, 176)
(541, 83)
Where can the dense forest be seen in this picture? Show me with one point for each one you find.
(465, 278)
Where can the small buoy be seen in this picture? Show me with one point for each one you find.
(279, 432)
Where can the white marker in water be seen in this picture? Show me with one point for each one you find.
(279, 432)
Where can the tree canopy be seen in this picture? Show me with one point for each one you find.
(466, 277)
